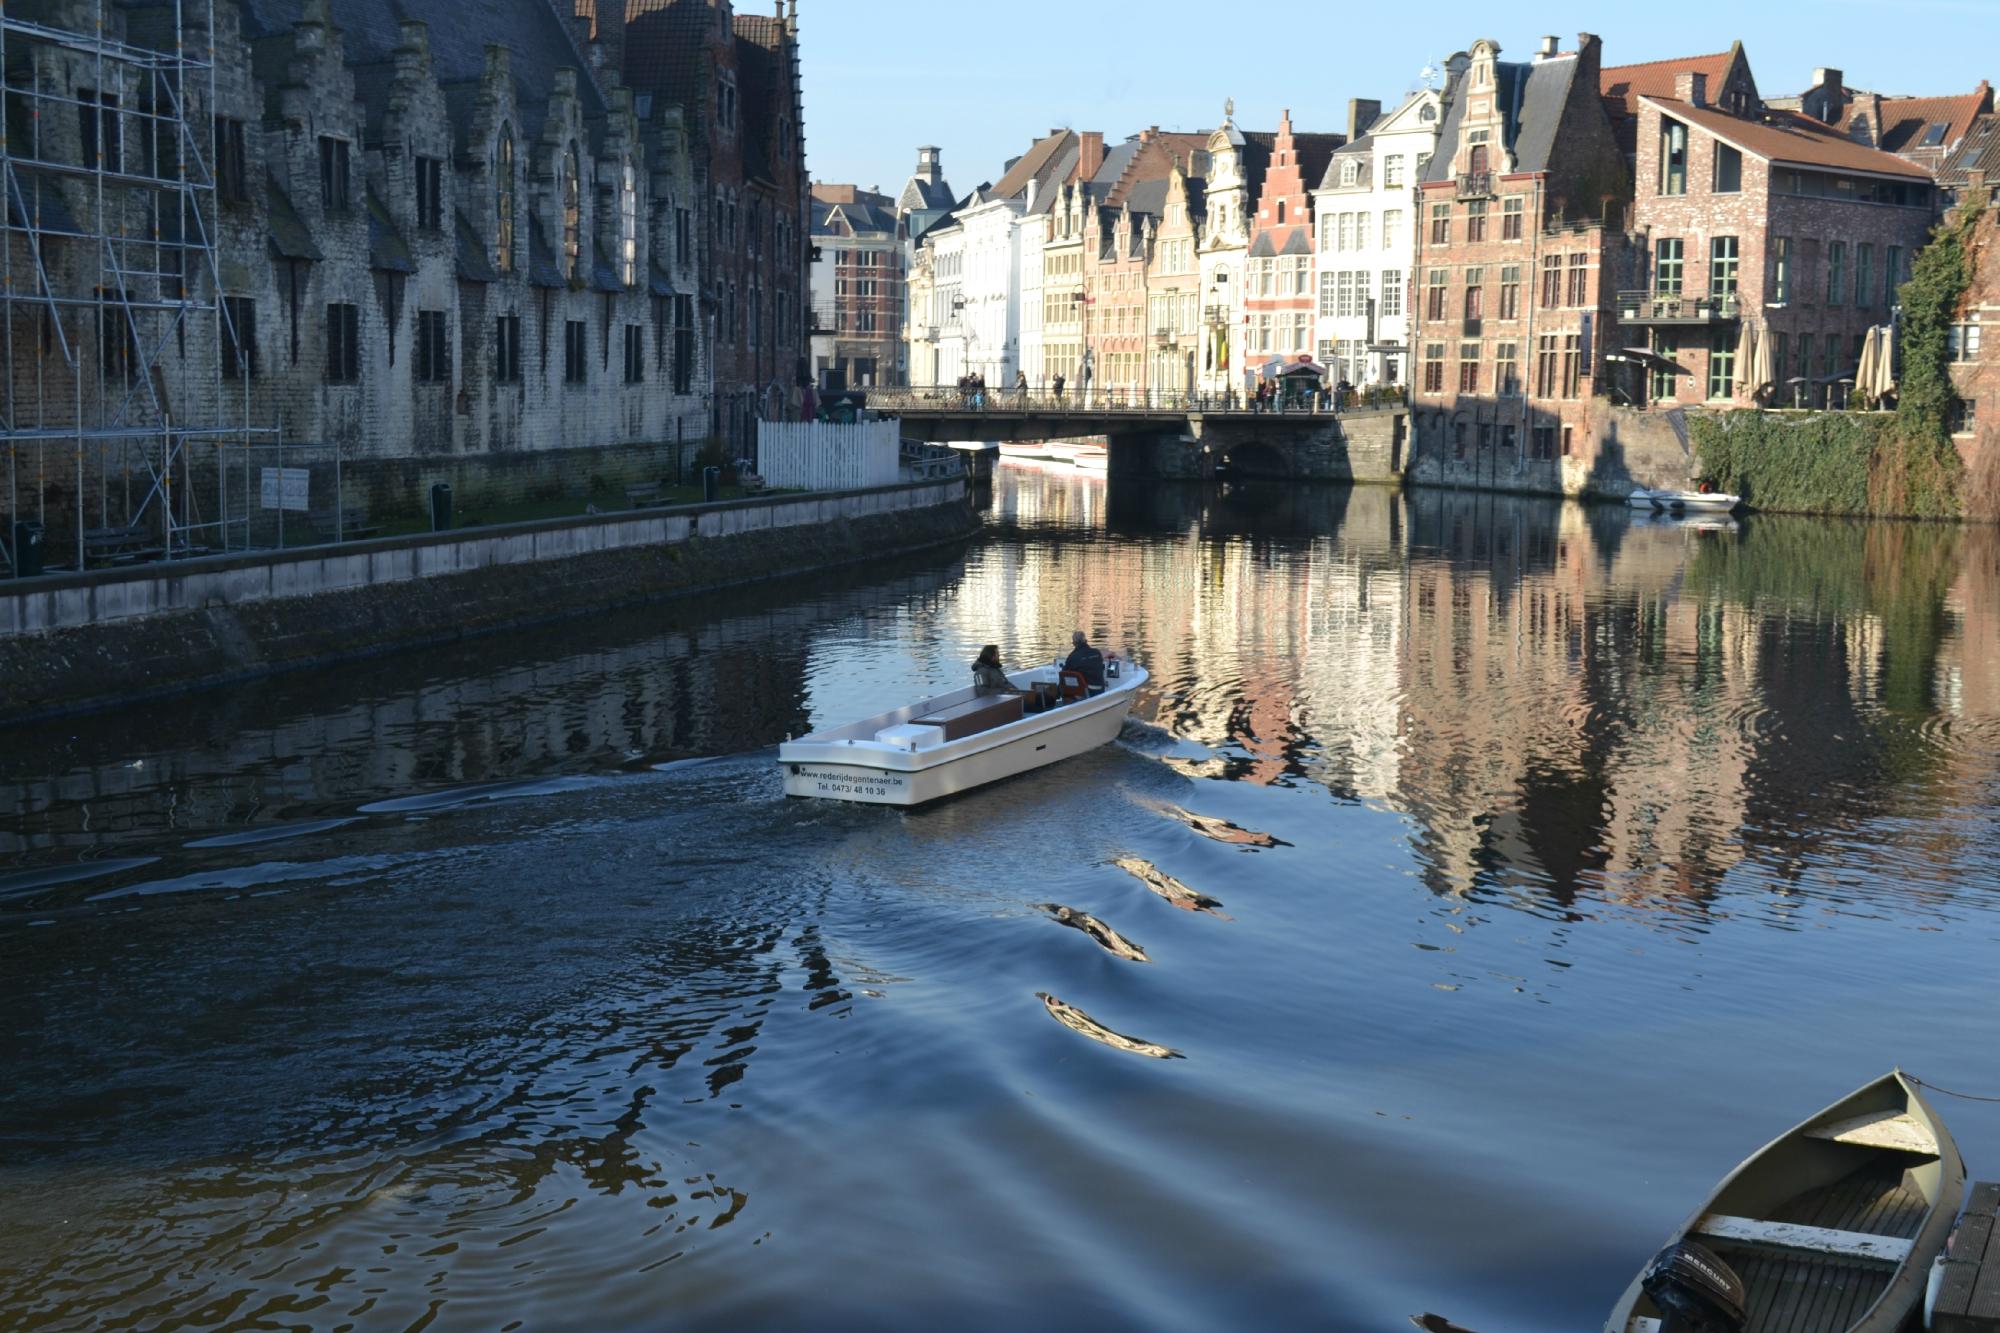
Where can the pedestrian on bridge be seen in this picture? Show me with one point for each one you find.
(1021, 388)
(1057, 385)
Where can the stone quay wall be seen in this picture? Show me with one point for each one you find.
(72, 643)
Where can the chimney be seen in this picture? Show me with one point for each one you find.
(1691, 88)
(1089, 153)
(1361, 113)
(1589, 58)
(1975, 179)
(1547, 49)
(928, 167)
(611, 32)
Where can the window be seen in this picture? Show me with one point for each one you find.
(1475, 293)
(1666, 267)
(1507, 370)
(1545, 366)
(333, 180)
(576, 358)
(1350, 171)
(683, 344)
(97, 121)
(1722, 266)
(1728, 169)
(1433, 367)
(1781, 269)
(239, 336)
(430, 193)
(1510, 291)
(683, 237)
(1552, 281)
(1392, 294)
(1361, 231)
(1569, 441)
(1963, 416)
(1475, 221)
(1579, 279)
(1892, 272)
(232, 171)
(433, 363)
(1545, 444)
(1962, 342)
(343, 343)
(1326, 292)
(1392, 172)
(503, 201)
(507, 349)
(1864, 274)
(1572, 365)
(1440, 224)
(1510, 218)
(1934, 135)
(1663, 381)
(1673, 157)
(628, 226)
(1458, 434)
(635, 353)
(1802, 368)
(1434, 298)
(572, 214)
(1392, 228)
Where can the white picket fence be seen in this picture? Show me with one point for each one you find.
(828, 456)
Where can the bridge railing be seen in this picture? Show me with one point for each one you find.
(949, 399)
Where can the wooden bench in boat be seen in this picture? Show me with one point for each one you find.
(1898, 1131)
(973, 716)
(1797, 1238)
(1968, 1299)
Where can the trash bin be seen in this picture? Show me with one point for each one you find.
(441, 507)
(711, 482)
(27, 546)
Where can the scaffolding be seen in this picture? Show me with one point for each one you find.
(126, 384)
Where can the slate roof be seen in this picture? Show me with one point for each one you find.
(1978, 150)
(386, 247)
(1362, 150)
(289, 237)
(1531, 98)
(537, 40)
(474, 264)
(1149, 196)
(919, 194)
(1794, 139)
(543, 271)
(1313, 151)
(1031, 164)
(860, 215)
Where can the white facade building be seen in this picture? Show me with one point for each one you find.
(1366, 214)
(1222, 249)
(991, 318)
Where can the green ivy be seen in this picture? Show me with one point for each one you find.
(1787, 463)
(1923, 474)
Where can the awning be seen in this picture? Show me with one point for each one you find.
(1304, 367)
(1647, 358)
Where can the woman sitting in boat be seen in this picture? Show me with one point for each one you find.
(987, 675)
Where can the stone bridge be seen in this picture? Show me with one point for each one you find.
(1171, 436)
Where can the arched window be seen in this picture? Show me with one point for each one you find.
(628, 226)
(572, 213)
(503, 201)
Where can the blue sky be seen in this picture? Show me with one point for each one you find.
(983, 78)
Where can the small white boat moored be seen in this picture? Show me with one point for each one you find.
(954, 742)
(1684, 502)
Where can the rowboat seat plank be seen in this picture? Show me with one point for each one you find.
(1898, 1131)
(1796, 1238)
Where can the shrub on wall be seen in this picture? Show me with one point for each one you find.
(1802, 465)
(1923, 474)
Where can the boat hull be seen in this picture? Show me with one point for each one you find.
(1812, 1159)
(846, 767)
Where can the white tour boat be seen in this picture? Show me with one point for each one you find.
(1684, 502)
(957, 741)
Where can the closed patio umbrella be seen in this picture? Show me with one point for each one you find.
(1761, 377)
(1864, 371)
(1746, 355)
(1885, 370)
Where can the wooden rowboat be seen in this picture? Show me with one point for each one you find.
(1831, 1227)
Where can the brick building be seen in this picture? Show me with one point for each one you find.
(1173, 286)
(857, 288)
(1519, 248)
(736, 76)
(1278, 297)
(1974, 349)
(1747, 213)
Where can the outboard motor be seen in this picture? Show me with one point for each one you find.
(1695, 1291)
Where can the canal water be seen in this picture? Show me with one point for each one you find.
(1487, 876)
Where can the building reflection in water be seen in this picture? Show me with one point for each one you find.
(1566, 700)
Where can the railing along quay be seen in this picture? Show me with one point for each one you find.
(949, 400)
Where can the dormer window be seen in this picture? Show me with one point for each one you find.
(1349, 173)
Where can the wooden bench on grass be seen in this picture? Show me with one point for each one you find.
(643, 495)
